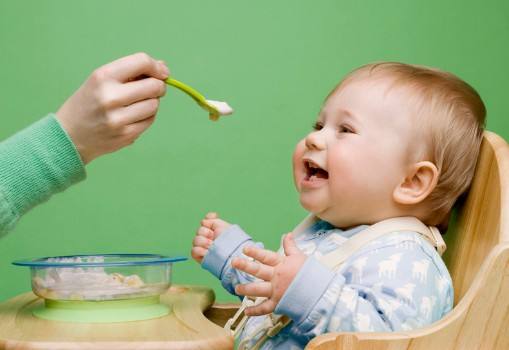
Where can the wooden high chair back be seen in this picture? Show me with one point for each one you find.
(478, 260)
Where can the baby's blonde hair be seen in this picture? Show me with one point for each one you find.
(451, 116)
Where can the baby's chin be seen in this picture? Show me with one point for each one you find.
(311, 206)
(326, 214)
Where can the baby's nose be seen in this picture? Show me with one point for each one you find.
(315, 140)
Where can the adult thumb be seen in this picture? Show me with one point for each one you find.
(289, 245)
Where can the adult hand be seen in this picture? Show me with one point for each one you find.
(115, 105)
(275, 271)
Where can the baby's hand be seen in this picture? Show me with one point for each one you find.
(276, 271)
(211, 227)
(114, 105)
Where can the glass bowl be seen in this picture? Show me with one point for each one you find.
(100, 277)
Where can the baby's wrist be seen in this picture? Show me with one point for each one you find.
(224, 247)
(222, 230)
(306, 289)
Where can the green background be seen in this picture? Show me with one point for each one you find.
(273, 61)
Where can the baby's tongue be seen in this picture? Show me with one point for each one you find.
(319, 175)
(322, 174)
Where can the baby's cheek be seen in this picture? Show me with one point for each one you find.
(297, 160)
(345, 186)
(298, 151)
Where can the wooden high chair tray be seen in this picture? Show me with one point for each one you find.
(184, 328)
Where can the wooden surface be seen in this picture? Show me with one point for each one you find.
(478, 260)
(184, 328)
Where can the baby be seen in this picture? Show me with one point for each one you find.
(392, 140)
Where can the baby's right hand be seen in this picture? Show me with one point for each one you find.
(211, 227)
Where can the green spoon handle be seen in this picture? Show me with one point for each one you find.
(199, 98)
(187, 89)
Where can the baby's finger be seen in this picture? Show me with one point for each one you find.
(264, 308)
(201, 241)
(206, 232)
(211, 215)
(254, 268)
(289, 245)
(213, 224)
(198, 253)
(264, 256)
(257, 289)
(207, 222)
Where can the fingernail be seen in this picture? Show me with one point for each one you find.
(165, 69)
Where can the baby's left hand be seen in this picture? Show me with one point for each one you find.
(276, 271)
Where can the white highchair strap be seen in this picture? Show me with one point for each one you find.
(333, 260)
(338, 256)
(403, 223)
(234, 324)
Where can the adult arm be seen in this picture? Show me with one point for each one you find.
(35, 163)
(108, 112)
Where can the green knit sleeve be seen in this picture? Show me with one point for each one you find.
(35, 163)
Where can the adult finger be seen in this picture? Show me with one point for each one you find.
(262, 255)
(206, 232)
(256, 289)
(254, 268)
(131, 67)
(136, 112)
(132, 131)
(202, 241)
(264, 308)
(140, 90)
(289, 245)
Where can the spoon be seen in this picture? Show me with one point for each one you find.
(215, 108)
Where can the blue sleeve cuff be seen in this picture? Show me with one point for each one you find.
(306, 289)
(223, 248)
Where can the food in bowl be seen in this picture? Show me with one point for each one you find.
(100, 277)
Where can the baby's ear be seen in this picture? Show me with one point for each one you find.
(419, 182)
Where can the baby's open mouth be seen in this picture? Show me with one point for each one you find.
(313, 171)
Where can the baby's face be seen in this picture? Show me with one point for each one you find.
(348, 167)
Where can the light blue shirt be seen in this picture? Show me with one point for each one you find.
(396, 282)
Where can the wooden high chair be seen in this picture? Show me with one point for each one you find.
(478, 260)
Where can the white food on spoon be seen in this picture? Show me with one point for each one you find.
(222, 107)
